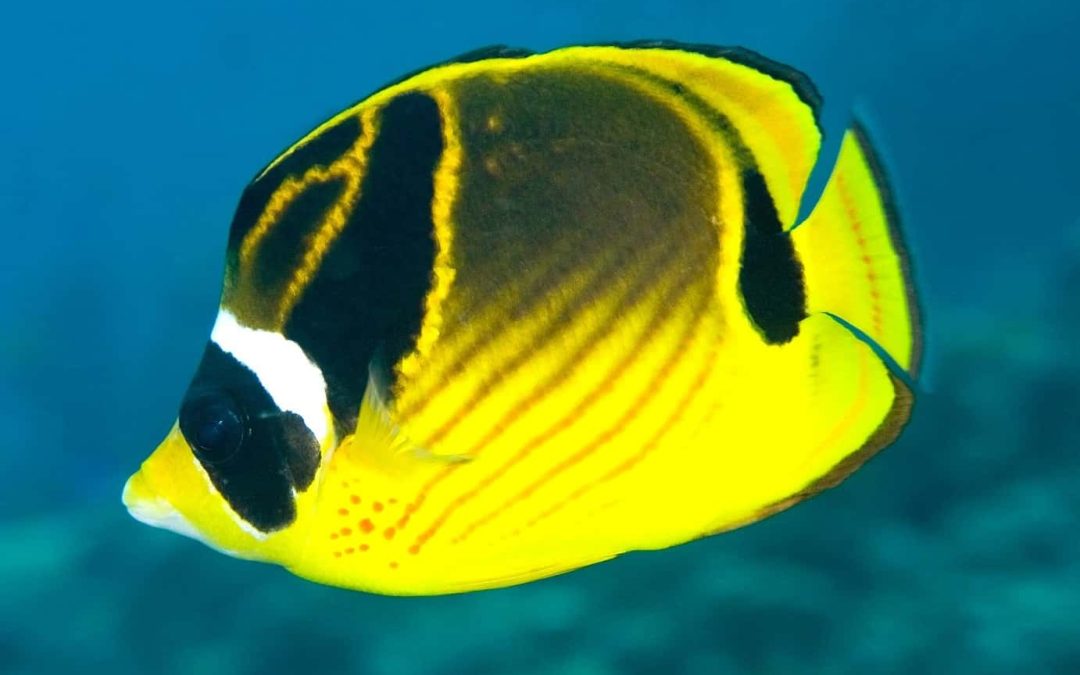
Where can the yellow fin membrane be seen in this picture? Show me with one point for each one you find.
(771, 106)
(855, 263)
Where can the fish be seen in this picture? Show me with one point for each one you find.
(518, 313)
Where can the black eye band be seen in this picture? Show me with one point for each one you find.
(214, 425)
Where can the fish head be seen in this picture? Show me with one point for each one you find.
(172, 491)
(238, 469)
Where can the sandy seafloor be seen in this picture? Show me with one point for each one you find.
(128, 131)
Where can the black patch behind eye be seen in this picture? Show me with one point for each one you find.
(278, 452)
(321, 150)
(369, 291)
(300, 448)
(771, 276)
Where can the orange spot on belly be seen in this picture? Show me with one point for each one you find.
(389, 533)
(364, 547)
(354, 499)
(366, 525)
(377, 506)
(343, 511)
(345, 531)
(418, 501)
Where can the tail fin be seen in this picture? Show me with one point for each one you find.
(855, 264)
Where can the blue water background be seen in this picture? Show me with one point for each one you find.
(128, 130)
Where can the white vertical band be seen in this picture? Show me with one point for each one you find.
(284, 370)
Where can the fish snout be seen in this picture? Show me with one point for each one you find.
(146, 506)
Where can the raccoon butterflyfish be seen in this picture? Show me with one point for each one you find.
(519, 313)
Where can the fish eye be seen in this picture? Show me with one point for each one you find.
(213, 425)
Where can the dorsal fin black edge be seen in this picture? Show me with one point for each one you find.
(800, 82)
(489, 52)
(802, 85)
(481, 54)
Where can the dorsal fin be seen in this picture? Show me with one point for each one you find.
(803, 86)
(772, 108)
(472, 56)
(490, 52)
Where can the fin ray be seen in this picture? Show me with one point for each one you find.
(855, 262)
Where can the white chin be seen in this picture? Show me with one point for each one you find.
(158, 512)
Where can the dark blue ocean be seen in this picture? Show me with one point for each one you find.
(128, 130)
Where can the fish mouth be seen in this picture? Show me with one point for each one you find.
(146, 506)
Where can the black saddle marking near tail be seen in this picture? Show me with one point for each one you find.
(278, 452)
(300, 449)
(369, 292)
(321, 150)
(770, 276)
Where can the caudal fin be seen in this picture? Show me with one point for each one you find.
(855, 263)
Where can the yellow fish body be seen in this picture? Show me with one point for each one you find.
(520, 313)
